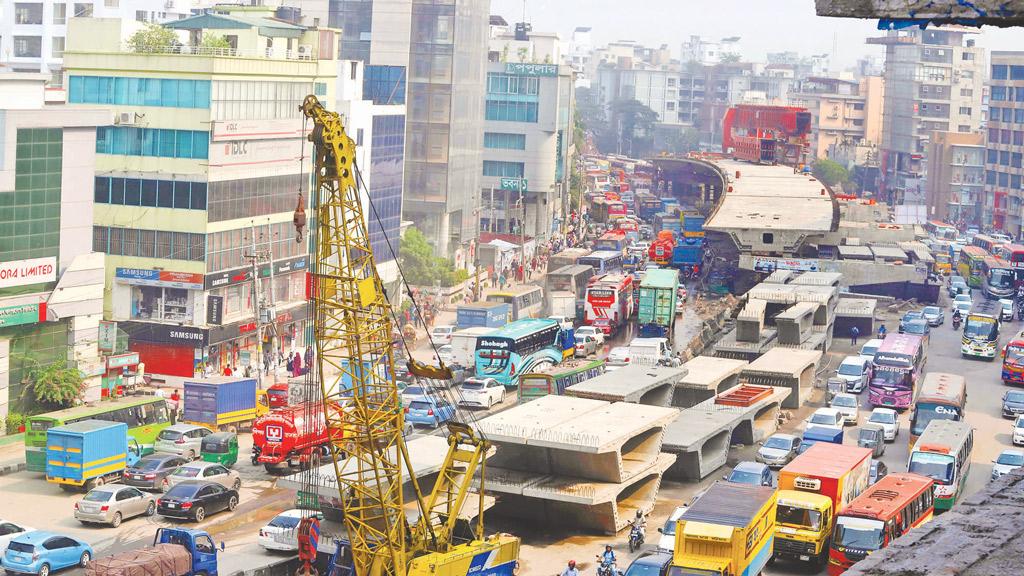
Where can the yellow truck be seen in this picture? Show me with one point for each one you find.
(727, 532)
(813, 488)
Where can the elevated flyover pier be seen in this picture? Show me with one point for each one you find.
(577, 461)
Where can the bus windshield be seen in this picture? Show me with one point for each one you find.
(890, 376)
(980, 329)
(938, 467)
(1014, 355)
(1001, 278)
(809, 519)
(860, 533)
(926, 412)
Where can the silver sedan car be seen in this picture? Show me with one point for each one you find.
(112, 503)
(209, 471)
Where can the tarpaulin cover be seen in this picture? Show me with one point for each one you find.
(159, 560)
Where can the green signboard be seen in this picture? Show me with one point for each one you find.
(21, 314)
(108, 336)
(513, 184)
(522, 69)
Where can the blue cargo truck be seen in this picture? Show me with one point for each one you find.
(688, 253)
(223, 403)
(175, 552)
(483, 315)
(89, 453)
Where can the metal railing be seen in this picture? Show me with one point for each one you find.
(186, 50)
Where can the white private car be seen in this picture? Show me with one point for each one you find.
(617, 358)
(870, 347)
(847, 405)
(481, 393)
(854, 370)
(591, 331)
(888, 420)
(9, 531)
(281, 532)
(416, 392)
(440, 335)
(1006, 461)
(444, 354)
(667, 542)
(1018, 431)
(210, 471)
(826, 417)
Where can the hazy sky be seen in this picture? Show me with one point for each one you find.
(764, 26)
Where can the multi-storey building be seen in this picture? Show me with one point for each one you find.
(956, 177)
(708, 52)
(527, 136)
(51, 283)
(438, 51)
(844, 112)
(33, 33)
(656, 87)
(933, 82)
(1004, 143)
(198, 171)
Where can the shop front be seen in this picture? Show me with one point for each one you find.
(235, 344)
(156, 295)
(167, 349)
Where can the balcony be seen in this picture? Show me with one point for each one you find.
(303, 53)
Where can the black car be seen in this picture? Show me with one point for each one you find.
(1013, 403)
(150, 472)
(878, 471)
(656, 564)
(195, 499)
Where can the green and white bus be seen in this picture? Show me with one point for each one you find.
(555, 379)
(145, 416)
(943, 453)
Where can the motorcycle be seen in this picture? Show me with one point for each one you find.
(255, 455)
(636, 538)
(606, 568)
(956, 322)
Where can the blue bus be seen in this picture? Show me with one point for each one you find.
(603, 261)
(521, 347)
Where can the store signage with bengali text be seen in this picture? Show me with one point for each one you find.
(162, 278)
(108, 335)
(242, 275)
(797, 264)
(25, 272)
(523, 69)
(513, 184)
(122, 360)
(22, 314)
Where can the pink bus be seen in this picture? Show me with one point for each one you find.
(895, 370)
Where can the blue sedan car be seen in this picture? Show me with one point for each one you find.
(429, 411)
(41, 552)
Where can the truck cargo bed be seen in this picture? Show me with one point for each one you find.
(159, 560)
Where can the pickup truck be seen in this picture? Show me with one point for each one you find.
(175, 552)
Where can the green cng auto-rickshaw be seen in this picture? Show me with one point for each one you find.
(221, 447)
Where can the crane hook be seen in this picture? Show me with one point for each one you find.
(299, 219)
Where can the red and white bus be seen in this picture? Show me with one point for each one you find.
(616, 209)
(609, 301)
(885, 511)
(612, 241)
(986, 243)
(1012, 253)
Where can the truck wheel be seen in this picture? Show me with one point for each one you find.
(200, 514)
(84, 560)
(151, 509)
(232, 503)
(116, 520)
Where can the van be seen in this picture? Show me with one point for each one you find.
(650, 351)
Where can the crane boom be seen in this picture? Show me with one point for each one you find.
(352, 332)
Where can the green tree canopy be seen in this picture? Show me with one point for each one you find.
(421, 267)
(214, 41)
(633, 124)
(52, 386)
(830, 172)
(152, 38)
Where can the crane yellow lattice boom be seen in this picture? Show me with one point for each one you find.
(353, 330)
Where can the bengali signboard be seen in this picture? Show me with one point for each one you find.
(25, 272)
(22, 314)
(162, 278)
(108, 335)
(768, 265)
(523, 69)
(513, 184)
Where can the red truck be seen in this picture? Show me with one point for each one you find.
(289, 436)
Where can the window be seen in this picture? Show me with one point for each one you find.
(965, 110)
(990, 177)
(250, 197)
(963, 128)
(998, 93)
(992, 156)
(670, 105)
(129, 141)
(1015, 181)
(968, 56)
(1016, 72)
(1015, 159)
(498, 83)
(25, 13)
(1004, 179)
(384, 84)
(60, 13)
(83, 11)
(111, 3)
(140, 15)
(504, 141)
(1004, 158)
(149, 243)
(28, 46)
(57, 47)
(1018, 138)
(511, 111)
(139, 91)
(767, 238)
(1000, 72)
(503, 169)
(858, 105)
(320, 88)
(967, 92)
(1018, 115)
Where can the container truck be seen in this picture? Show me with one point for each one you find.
(813, 489)
(693, 225)
(175, 552)
(88, 453)
(483, 314)
(464, 345)
(688, 253)
(659, 291)
(290, 436)
(728, 531)
(816, 434)
(223, 403)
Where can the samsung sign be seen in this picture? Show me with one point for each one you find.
(165, 334)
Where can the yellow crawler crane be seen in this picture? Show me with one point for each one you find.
(353, 330)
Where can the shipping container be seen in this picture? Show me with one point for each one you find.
(659, 291)
(221, 402)
(483, 314)
(86, 453)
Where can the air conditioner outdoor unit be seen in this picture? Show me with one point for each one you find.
(305, 51)
(124, 118)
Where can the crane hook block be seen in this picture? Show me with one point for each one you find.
(421, 370)
(299, 219)
(308, 538)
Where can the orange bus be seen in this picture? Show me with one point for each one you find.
(887, 510)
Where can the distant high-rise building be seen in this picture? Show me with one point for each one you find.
(708, 52)
(956, 176)
(844, 112)
(933, 82)
(1004, 143)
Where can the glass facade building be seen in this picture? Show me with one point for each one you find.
(387, 156)
(30, 214)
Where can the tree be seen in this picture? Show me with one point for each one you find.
(152, 38)
(633, 124)
(830, 172)
(677, 141)
(215, 41)
(728, 57)
(52, 386)
(419, 265)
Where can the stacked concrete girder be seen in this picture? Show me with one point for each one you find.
(636, 384)
(859, 312)
(706, 376)
(819, 288)
(749, 339)
(794, 323)
(780, 277)
(790, 368)
(701, 436)
(750, 321)
(584, 462)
